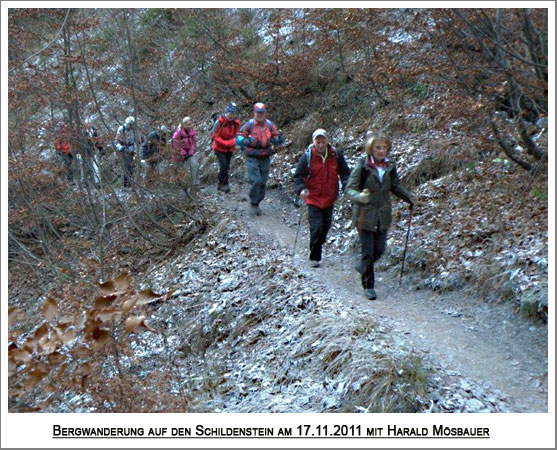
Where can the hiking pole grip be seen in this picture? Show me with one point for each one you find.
(406, 244)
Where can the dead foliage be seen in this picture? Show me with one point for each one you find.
(80, 354)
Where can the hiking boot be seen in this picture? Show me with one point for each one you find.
(370, 293)
(314, 263)
(258, 210)
(253, 209)
(226, 188)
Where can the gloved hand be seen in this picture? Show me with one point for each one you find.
(278, 141)
(304, 195)
(248, 141)
(363, 197)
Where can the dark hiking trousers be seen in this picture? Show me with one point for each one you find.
(374, 244)
(224, 163)
(127, 166)
(258, 174)
(319, 224)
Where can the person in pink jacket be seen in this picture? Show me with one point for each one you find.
(184, 141)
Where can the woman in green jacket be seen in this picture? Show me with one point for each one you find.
(369, 187)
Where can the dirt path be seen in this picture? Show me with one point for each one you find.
(480, 342)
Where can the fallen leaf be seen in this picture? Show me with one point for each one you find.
(83, 369)
(100, 336)
(82, 351)
(123, 281)
(33, 378)
(41, 331)
(105, 301)
(48, 346)
(61, 372)
(108, 287)
(169, 294)
(31, 345)
(107, 314)
(68, 319)
(129, 304)
(80, 321)
(136, 324)
(147, 296)
(91, 325)
(14, 314)
(20, 355)
(50, 309)
(69, 336)
(12, 365)
(56, 358)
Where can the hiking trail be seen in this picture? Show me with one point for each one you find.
(485, 343)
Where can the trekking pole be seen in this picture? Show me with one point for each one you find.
(406, 244)
(297, 232)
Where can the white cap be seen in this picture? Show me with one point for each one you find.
(164, 129)
(130, 119)
(186, 119)
(319, 132)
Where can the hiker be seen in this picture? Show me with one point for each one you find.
(184, 141)
(316, 182)
(64, 148)
(125, 144)
(89, 146)
(224, 143)
(369, 187)
(156, 141)
(92, 138)
(257, 138)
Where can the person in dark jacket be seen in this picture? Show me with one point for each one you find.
(224, 134)
(316, 182)
(125, 144)
(370, 186)
(258, 137)
(156, 140)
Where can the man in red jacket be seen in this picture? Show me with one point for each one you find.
(259, 138)
(224, 142)
(316, 182)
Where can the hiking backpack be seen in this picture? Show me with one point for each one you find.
(308, 158)
(269, 124)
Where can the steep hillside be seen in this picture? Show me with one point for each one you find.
(163, 297)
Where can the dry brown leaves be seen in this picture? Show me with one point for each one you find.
(68, 345)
